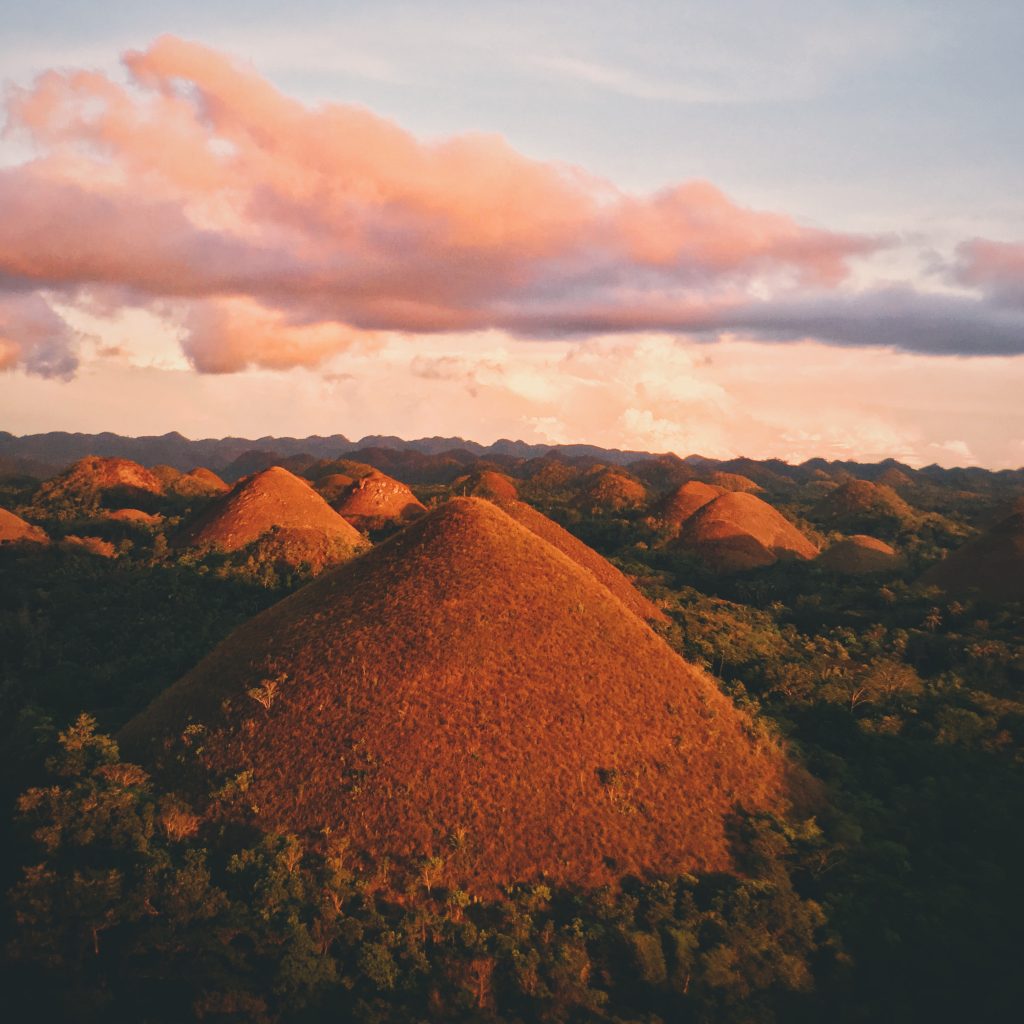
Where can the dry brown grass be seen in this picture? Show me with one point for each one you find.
(376, 500)
(734, 482)
(486, 483)
(262, 502)
(134, 515)
(739, 531)
(14, 530)
(610, 490)
(467, 691)
(992, 564)
(94, 479)
(861, 497)
(600, 568)
(677, 506)
(859, 555)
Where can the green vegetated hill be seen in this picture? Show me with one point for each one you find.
(632, 739)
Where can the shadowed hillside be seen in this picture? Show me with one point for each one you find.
(992, 564)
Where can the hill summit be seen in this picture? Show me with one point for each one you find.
(467, 691)
(375, 500)
(14, 530)
(95, 482)
(289, 519)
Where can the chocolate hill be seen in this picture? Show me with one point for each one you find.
(734, 482)
(675, 508)
(859, 503)
(739, 531)
(466, 690)
(290, 520)
(196, 483)
(585, 557)
(992, 564)
(486, 483)
(14, 530)
(95, 482)
(377, 500)
(610, 490)
(859, 555)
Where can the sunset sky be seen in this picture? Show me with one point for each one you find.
(791, 229)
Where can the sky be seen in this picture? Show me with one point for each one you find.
(778, 230)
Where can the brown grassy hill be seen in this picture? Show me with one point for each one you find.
(135, 516)
(609, 490)
(739, 531)
(467, 691)
(272, 499)
(734, 482)
(584, 556)
(376, 500)
(859, 555)
(199, 482)
(895, 479)
(486, 483)
(14, 530)
(992, 564)
(93, 481)
(675, 508)
(861, 500)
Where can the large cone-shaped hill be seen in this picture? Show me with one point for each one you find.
(376, 500)
(97, 482)
(992, 564)
(466, 679)
(739, 531)
(14, 530)
(675, 508)
(584, 556)
(291, 522)
(859, 555)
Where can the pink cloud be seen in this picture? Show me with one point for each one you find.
(199, 181)
(34, 338)
(995, 267)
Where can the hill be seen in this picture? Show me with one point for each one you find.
(377, 500)
(734, 482)
(861, 506)
(14, 530)
(304, 527)
(196, 483)
(466, 690)
(486, 483)
(859, 555)
(95, 482)
(992, 564)
(675, 508)
(609, 490)
(585, 557)
(739, 531)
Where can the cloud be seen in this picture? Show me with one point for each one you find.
(34, 338)
(995, 267)
(197, 180)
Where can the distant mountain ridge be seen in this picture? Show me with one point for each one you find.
(46, 454)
